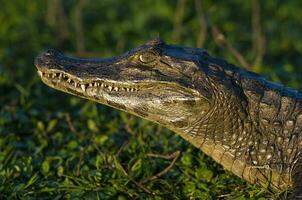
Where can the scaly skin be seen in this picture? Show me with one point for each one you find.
(247, 124)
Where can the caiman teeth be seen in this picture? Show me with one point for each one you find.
(74, 83)
(40, 73)
(83, 86)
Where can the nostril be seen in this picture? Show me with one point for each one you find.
(48, 53)
(51, 53)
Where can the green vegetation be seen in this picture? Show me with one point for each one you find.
(56, 146)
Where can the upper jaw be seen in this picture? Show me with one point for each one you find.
(62, 72)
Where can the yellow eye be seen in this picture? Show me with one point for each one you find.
(147, 57)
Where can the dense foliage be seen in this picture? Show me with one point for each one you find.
(53, 145)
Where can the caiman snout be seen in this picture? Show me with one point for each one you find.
(47, 58)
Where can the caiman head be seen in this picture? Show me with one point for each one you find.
(163, 83)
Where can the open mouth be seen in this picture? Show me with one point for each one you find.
(70, 81)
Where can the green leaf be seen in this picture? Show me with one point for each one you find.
(72, 144)
(92, 126)
(137, 165)
(45, 167)
(186, 159)
(101, 139)
(32, 180)
(204, 173)
(60, 171)
(51, 125)
(40, 126)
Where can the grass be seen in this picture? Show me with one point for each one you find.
(56, 146)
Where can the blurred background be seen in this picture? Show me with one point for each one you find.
(53, 145)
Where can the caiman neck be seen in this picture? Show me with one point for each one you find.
(253, 138)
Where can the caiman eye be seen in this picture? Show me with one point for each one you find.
(147, 57)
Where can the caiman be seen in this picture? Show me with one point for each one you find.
(251, 126)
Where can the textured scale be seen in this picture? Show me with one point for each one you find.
(251, 126)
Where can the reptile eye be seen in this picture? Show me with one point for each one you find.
(147, 57)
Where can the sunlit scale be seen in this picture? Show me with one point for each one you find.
(84, 86)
